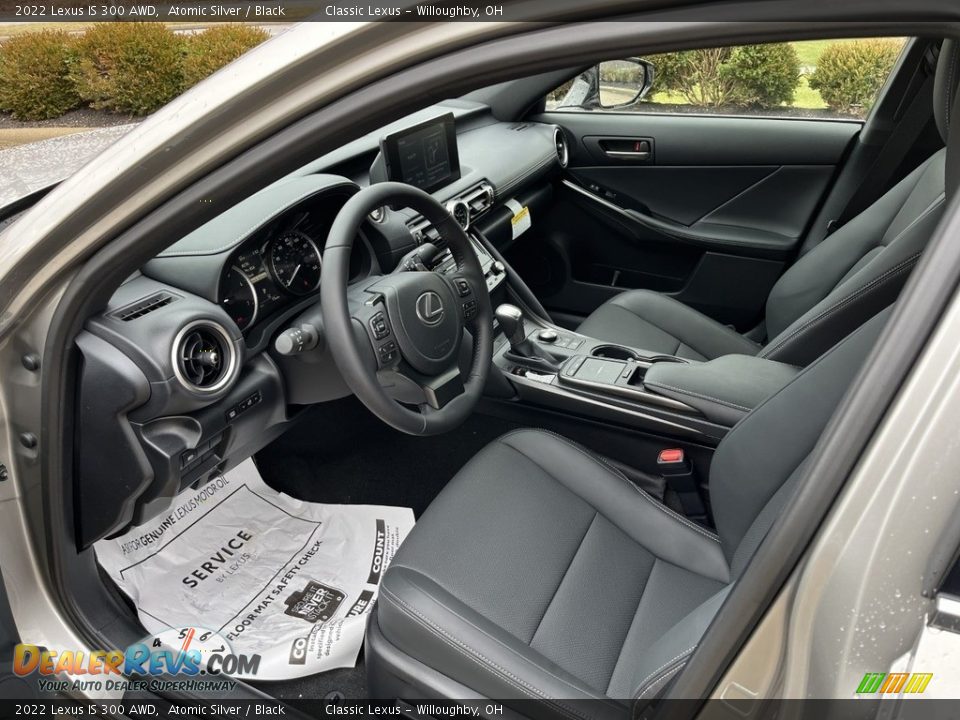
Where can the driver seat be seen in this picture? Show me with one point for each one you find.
(541, 572)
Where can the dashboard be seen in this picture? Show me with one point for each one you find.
(202, 348)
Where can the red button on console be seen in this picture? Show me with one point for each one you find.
(673, 455)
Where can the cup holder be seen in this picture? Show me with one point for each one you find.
(614, 352)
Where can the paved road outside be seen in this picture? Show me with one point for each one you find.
(27, 168)
(10, 137)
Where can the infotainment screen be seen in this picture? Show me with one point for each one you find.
(423, 155)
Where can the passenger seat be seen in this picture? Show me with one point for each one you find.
(848, 278)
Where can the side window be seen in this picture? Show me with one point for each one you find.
(833, 79)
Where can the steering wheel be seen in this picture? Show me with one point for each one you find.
(396, 338)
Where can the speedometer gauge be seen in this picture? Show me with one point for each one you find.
(295, 262)
(238, 297)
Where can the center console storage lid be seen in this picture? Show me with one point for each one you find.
(724, 389)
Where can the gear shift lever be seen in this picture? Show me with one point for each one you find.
(510, 318)
(522, 349)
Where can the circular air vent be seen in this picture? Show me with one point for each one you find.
(460, 211)
(563, 151)
(204, 359)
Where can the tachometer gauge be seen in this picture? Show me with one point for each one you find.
(295, 262)
(238, 297)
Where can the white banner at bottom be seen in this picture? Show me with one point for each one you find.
(236, 567)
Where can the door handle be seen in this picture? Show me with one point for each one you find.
(621, 149)
(635, 154)
(627, 148)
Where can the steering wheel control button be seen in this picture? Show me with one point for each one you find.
(547, 336)
(388, 353)
(463, 287)
(378, 325)
(470, 309)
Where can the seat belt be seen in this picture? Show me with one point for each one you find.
(891, 156)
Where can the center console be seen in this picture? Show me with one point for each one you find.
(560, 369)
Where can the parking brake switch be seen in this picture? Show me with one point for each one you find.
(677, 471)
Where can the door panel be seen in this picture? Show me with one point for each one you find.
(708, 209)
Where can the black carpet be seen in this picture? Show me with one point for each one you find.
(340, 453)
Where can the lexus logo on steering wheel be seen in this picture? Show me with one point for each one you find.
(430, 308)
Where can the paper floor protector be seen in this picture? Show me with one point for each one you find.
(237, 565)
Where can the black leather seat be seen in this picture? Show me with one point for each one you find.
(846, 279)
(540, 572)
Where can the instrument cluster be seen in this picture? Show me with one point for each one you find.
(263, 277)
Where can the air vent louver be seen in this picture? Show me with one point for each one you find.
(203, 357)
(144, 306)
(478, 199)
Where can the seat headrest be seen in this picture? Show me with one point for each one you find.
(945, 86)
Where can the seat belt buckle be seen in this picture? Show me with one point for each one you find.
(672, 461)
(678, 474)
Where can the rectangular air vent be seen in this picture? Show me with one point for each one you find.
(479, 199)
(144, 306)
(423, 231)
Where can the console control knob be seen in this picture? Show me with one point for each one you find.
(547, 336)
(499, 267)
(297, 340)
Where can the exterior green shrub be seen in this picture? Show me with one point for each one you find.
(694, 74)
(753, 75)
(762, 76)
(132, 68)
(850, 74)
(34, 82)
(209, 51)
